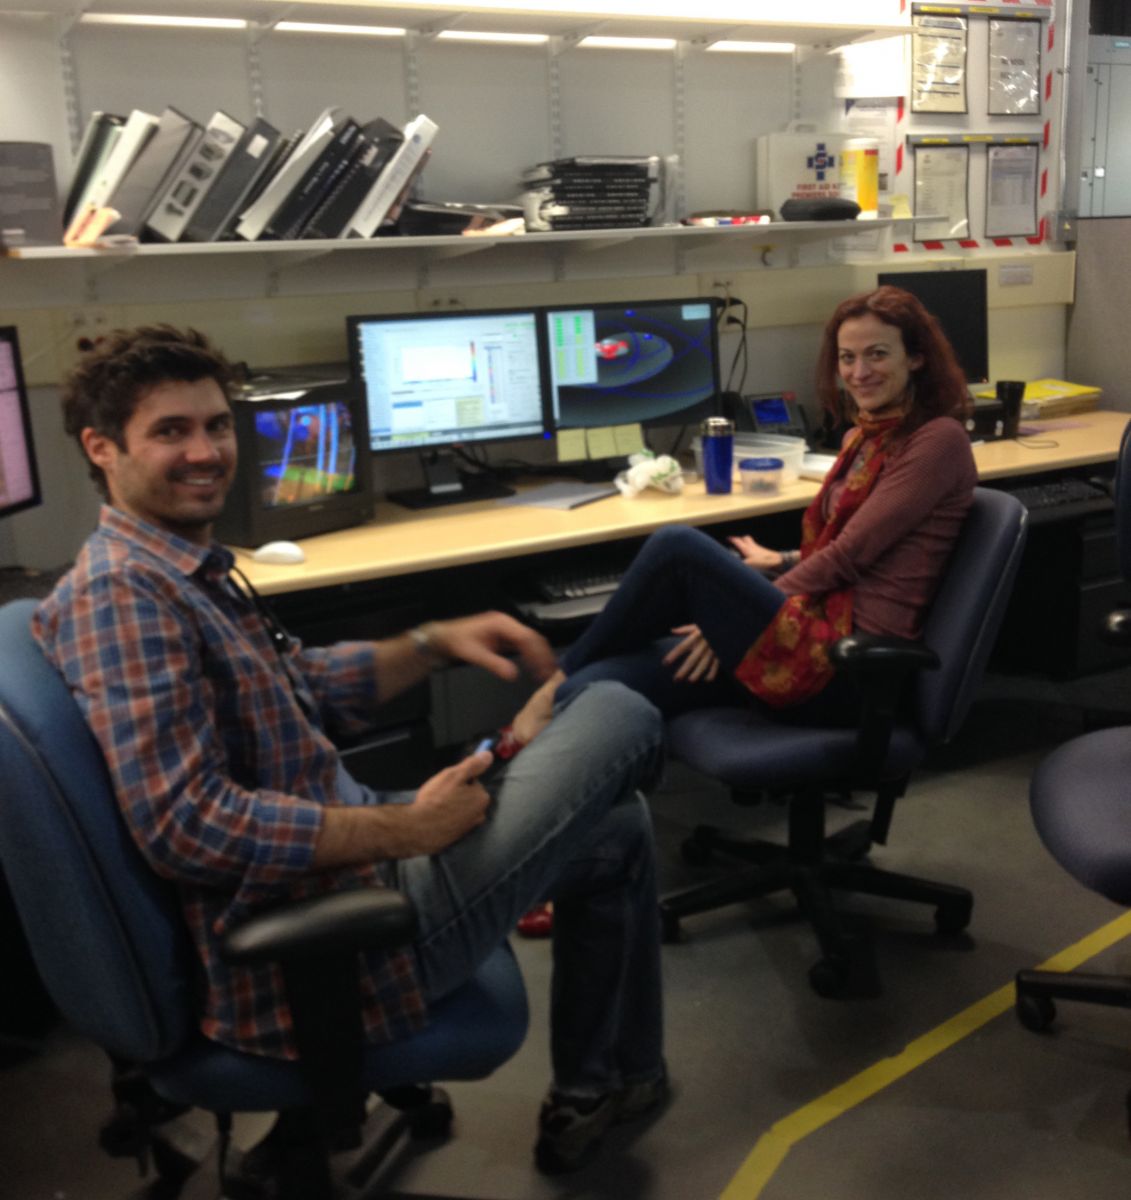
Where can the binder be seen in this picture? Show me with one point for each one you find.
(192, 182)
(146, 180)
(419, 134)
(134, 134)
(29, 200)
(252, 156)
(378, 144)
(296, 210)
(98, 139)
(254, 219)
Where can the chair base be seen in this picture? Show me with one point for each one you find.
(1036, 991)
(812, 872)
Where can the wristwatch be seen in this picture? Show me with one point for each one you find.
(424, 643)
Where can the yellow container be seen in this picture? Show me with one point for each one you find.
(860, 174)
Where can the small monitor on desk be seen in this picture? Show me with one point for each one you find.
(440, 380)
(652, 362)
(19, 478)
(303, 465)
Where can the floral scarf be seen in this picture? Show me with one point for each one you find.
(789, 662)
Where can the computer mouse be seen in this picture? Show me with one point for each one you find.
(279, 552)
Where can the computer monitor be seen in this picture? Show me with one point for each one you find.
(440, 380)
(957, 300)
(19, 476)
(655, 362)
(304, 466)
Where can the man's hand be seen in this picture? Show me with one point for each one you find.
(446, 808)
(482, 639)
(756, 555)
(699, 661)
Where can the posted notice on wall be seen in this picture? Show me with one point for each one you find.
(938, 64)
(1011, 191)
(941, 181)
(1014, 77)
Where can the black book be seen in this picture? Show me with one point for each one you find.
(252, 157)
(378, 145)
(102, 131)
(297, 209)
(29, 201)
(152, 171)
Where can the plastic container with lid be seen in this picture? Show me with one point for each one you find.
(760, 476)
(791, 450)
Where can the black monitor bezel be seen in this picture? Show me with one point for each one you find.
(710, 406)
(10, 334)
(357, 374)
(910, 281)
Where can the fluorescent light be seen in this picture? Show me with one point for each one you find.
(628, 43)
(725, 47)
(739, 12)
(355, 30)
(468, 35)
(139, 19)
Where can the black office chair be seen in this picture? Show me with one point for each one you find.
(1080, 805)
(112, 948)
(916, 695)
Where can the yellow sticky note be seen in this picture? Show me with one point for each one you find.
(602, 443)
(571, 445)
(628, 438)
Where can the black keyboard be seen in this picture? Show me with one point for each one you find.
(577, 585)
(1057, 493)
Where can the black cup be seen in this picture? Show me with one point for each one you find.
(1010, 393)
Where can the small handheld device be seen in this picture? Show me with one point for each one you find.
(491, 777)
(778, 413)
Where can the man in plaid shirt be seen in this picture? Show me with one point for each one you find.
(218, 738)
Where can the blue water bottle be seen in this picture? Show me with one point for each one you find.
(717, 434)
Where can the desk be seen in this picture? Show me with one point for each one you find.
(400, 542)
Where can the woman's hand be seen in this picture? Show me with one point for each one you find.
(756, 555)
(699, 660)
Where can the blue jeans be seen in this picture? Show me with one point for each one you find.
(682, 576)
(567, 824)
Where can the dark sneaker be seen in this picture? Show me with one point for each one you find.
(571, 1130)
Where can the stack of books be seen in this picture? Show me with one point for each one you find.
(610, 192)
(169, 178)
(1052, 398)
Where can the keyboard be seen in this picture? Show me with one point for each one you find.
(577, 586)
(1059, 493)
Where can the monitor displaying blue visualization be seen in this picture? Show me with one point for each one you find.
(433, 380)
(655, 362)
(305, 454)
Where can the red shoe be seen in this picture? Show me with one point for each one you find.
(538, 922)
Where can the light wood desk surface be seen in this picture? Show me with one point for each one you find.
(403, 542)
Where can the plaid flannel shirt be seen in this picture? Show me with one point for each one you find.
(218, 749)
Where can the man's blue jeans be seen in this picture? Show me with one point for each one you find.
(567, 824)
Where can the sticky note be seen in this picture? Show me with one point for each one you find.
(571, 445)
(628, 438)
(601, 442)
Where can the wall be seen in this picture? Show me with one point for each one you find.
(1099, 350)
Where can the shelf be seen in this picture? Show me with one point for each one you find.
(716, 18)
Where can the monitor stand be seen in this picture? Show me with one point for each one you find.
(446, 484)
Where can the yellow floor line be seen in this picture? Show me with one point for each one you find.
(772, 1147)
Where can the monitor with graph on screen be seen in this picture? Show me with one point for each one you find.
(653, 362)
(19, 477)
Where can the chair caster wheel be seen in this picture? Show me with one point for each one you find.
(1035, 1012)
(696, 853)
(670, 931)
(432, 1120)
(954, 916)
(828, 977)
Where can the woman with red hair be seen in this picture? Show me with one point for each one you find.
(874, 544)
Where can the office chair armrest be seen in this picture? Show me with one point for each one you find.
(323, 926)
(872, 656)
(1117, 627)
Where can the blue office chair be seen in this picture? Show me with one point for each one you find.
(1078, 797)
(915, 696)
(112, 949)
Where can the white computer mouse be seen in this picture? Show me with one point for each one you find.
(279, 552)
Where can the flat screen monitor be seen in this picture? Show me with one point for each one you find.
(957, 300)
(304, 466)
(19, 477)
(436, 381)
(655, 362)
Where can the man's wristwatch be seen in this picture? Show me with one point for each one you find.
(423, 639)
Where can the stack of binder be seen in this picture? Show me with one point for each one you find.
(610, 192)
(1053, 398)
